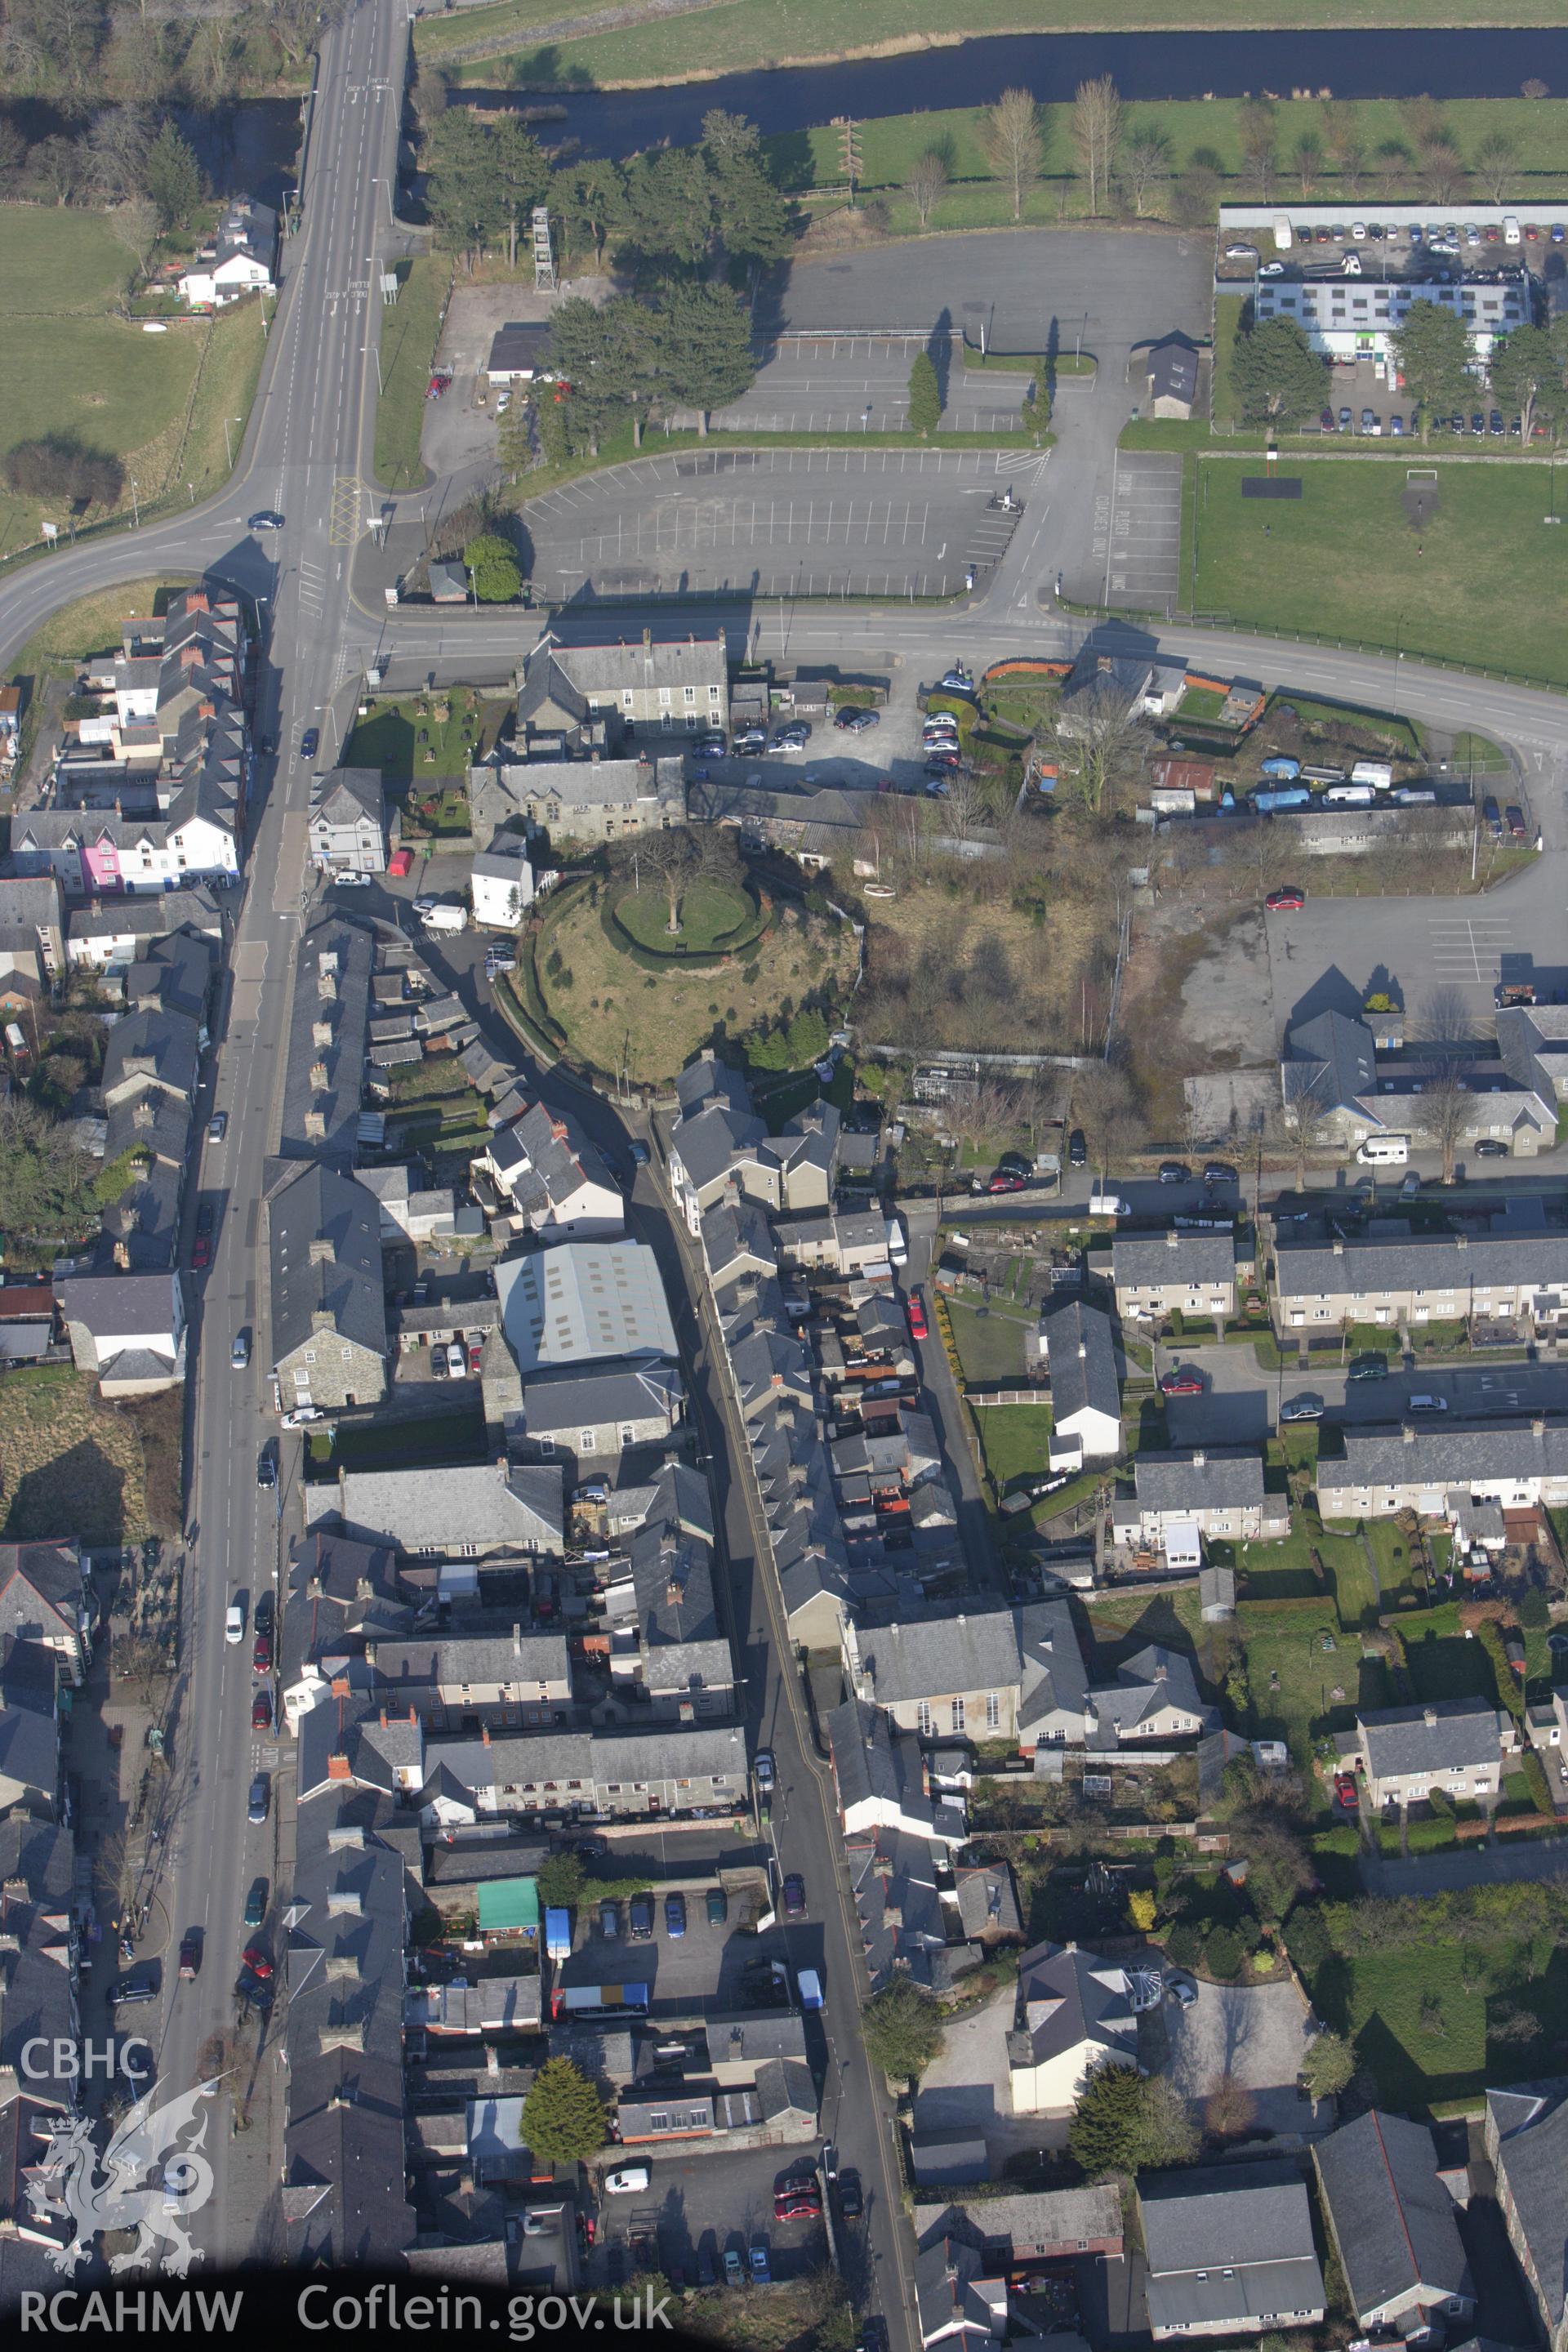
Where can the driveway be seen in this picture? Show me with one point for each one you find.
(968, 2088)
(1256, 2033)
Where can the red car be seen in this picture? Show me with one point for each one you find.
(261, 1656)
(919, 1328)
(798, 2205)
(203, 1253)
(261, 1710)
(1346, 1792)
(190, 1957)
(476, 1354)
(1288, 901)
(254, 1959)
(1181, 1383)
(1005, 1184)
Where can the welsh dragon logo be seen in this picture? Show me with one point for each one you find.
(119, 2197)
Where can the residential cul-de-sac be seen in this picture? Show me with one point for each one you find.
(785, 1262)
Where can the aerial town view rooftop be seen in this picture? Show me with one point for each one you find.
(783, 1172)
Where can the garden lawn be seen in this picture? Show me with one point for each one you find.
(990, 1347)
(1016, 1440)
(709, 912)
(1485, 590)
(438, 1440)
(408, 335)
(1293, 1678)
(395, 735)
(1453, 2049)
(69, 1464)
(1443, 1664)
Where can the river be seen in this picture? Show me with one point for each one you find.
(1146, 66)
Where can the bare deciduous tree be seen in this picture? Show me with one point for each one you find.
(1100, 743)
(1443, 173)
(1441, 1113)
(1395, 164)
(926, 179)
(1106, 1109)
(1229, 2108)
(1146, 160)
(1097, 134)
(1302, 1119)
(1496, 164)
(136, 224)
(1257, 125)
(671, 858)
(1306, 160)
(979, 1114)
(1014, 138)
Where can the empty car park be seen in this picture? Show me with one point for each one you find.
(852, 384)
(780, 523)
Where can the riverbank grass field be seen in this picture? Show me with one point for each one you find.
(743, 34)
(1481, 585)
(408, 335)
(69, 365)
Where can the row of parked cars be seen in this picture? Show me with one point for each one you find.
(1498, 821)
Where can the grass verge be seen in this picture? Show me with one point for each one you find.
(408, 337)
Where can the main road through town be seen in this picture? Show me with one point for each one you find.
(307, 453)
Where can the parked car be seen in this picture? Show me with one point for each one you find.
(256, 1903)
(762, 1768)
(762, 2270)
(1302, 1408)
(640, 1916)
(1493, 817)
(1005, 1184)
(1241, 253)
(475, 1355)
(1491, 1147)
(217, 1127)
(260, 1797)
(628, 2181)
(795, 1896)
(267, 1465)
(1428, 1404)
(261, 1710)
(1513, 817)
(309, 742)
(1078, 1150)
(264, 1612)
(734, 2268)
(710, 746)
(261, 1653)
(919, 1328)
(1183, 1382)
(610, 1920)
(751, 738)
(254, 1959)
(265, 518)
(457, 1362)
(239, 1354)
(856, 722)
(1175, 1172)
(1271, 269)
(1288, 900)
(202, 1251)
(1346, 1792)
(190, 1956)
(1216, 1172)
(675, 1916)
(718, 1904)
(1346, 420)
(1369, 1368)
(798, 2205)
(234, 1622)
(851, 2203)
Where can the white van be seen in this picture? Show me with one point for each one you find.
(1384, 1150)
(1283, 236)
(1108, 1204)
(1509, 230)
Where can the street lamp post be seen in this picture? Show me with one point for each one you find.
(135, 507)
(228, 439)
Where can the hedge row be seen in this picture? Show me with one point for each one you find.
(735, 942)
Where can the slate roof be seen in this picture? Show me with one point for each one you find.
(1173, 369)
(37, 1871)
(1532, 2126)
(125, 1306)
(324, 1243)
(347, 1009)
(1142, 1261)
(1146, 1684)
(1228, 2244)
(1082, 1361)
(445, 1511)
(736, 1234)
(1429, 1262)
(348, 796)
(1067, 1997)
(931, 1656)
(1487, 1451)
(1447, 1735)
(1393, 2218)
(1332, 1058)
(560, 1404)
(871, 1762)
(713, 1139)
(708, 1079)
(1221, 1478)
